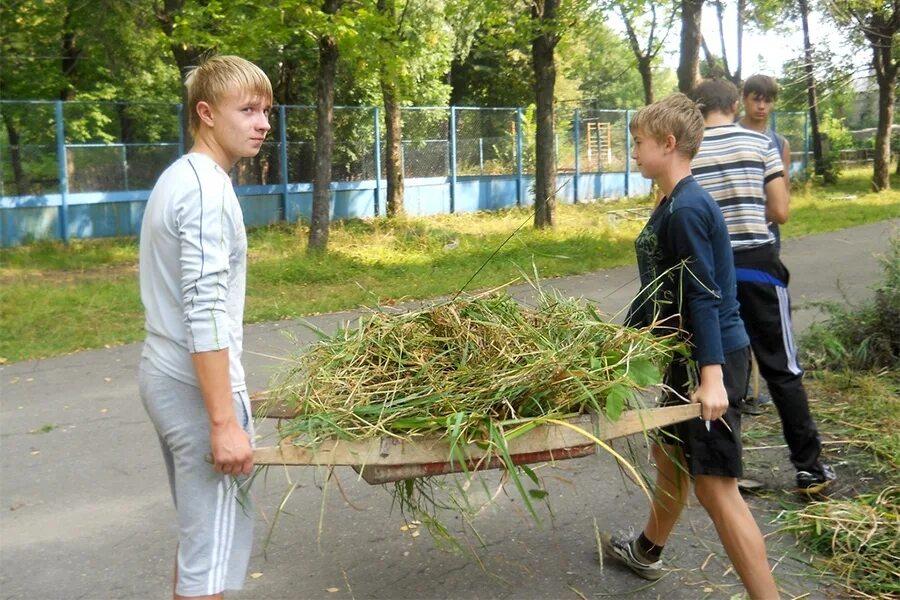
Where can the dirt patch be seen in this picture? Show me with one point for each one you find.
(23, 276)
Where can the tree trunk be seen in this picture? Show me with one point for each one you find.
(321, 204)
(644, 59)
(818, 157)
(738, 71)
(542, 53)
(689, 60)
(186, 57)
(881, 177)
(393, 137)
(393, 127)
(645, 68)
(15, 157)
(720, 16)
(881, 34)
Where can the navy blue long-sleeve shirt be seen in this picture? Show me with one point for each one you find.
(687, 269)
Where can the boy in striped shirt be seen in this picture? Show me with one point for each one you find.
(743, 172)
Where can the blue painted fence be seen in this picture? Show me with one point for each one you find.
(455, 159)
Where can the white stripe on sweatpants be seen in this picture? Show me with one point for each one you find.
(224, 534)
(787, 333)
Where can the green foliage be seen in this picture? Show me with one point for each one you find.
(864, 337)
(836, 137)
(604, 64)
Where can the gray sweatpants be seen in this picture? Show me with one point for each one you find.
(215, 515)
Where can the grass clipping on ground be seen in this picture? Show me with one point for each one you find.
(860, 538)
(475, 369)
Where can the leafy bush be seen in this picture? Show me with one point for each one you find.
(865, 337)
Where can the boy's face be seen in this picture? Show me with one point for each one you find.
(649, 153)
(240, 122)
(758, 108)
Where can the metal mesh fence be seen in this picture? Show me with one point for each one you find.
(28, 150)
(118, 146)
(425, 148)
(792, 125)
(485, 141)
(565, 140)
(602, 146)
(125, 146)
(301, 143)
(354, 140)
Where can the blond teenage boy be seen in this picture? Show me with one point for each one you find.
(687, 276)
(193, 256)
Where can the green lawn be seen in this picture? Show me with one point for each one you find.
(56, 299)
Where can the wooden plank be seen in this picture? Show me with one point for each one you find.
(263, 407)
(435, 449)
(378, 474)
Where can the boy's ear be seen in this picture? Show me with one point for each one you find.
(204, 111)
(670, 143)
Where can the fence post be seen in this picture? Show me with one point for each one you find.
(805, 140)
(125, 164)
(377, 158)
(627, 152)
(452, 159)
(577, 123)
(481, 156)
(63, 172)
(520, 182)
(282, 135)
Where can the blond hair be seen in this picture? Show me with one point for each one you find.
(675, 115)
(215, 77)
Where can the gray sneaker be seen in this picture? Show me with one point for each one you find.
(620, 547)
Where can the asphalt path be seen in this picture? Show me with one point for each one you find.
(85, 510)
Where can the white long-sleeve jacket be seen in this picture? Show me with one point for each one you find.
(193, 265)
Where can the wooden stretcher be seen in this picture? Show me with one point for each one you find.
(386, 459)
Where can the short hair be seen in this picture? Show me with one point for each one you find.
(762, 86)
(715, 95)
(675, 115)
(216, 76)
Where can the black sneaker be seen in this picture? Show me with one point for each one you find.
(620, 547)
(814, 483)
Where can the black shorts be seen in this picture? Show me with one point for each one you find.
(717, 451)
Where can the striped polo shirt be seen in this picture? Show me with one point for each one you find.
(193, 264)
(733, 165)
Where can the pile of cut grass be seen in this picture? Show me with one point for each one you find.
(468, 367)
(478, 369)
(859, 538)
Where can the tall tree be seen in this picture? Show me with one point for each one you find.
(321, 202)
(879, 23)
(812, 100)
(414, 45)
(392, 119)
(735, 76)
(543, 45)
(659, 28)
(689, 57)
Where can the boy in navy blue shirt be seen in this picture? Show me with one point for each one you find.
(688, 281)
